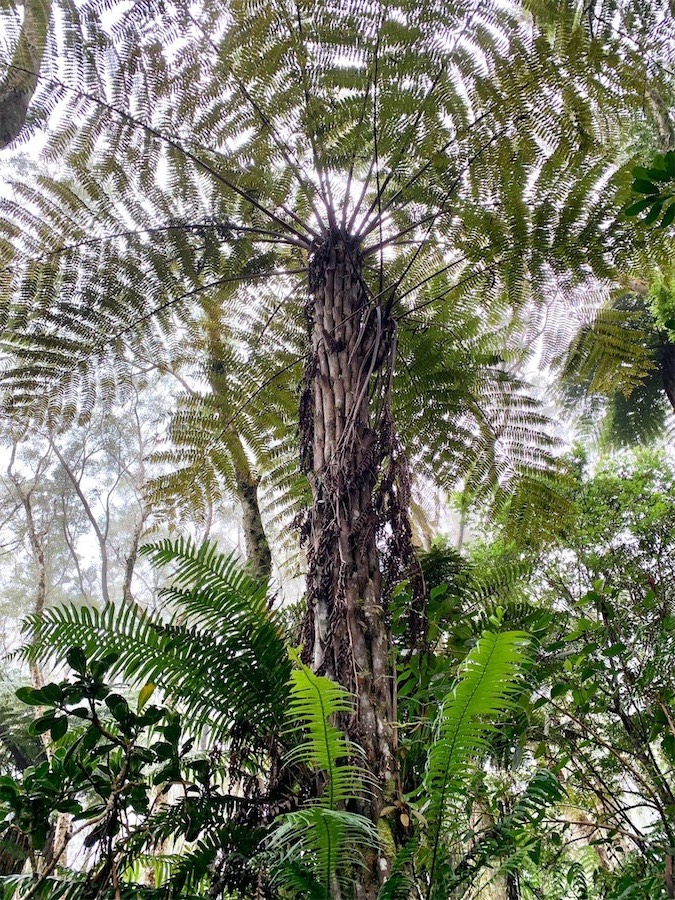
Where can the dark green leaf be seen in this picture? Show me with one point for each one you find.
(91, 737)
(639, 206)
(668, 216)
(77, 660)
(52, 692)
(59, 728)
(641, 186)
(30, 696)
(43, 724)
(653, 214)
(658, 174)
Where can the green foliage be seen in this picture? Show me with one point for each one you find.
(104, 762)
(662, 297)
(489, 682)
(476, 156)
(622, 354)
(220, 653)
(604, 678)
(313, 704)
(317, 844)
(18, 747)
(318, 849)
(309, 850)
(174, 210)
(656, 185)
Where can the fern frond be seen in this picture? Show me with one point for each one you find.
(317, 847)
(400, 884)
(322, 846)
(221, 657)
(314, 703)
(486, 689)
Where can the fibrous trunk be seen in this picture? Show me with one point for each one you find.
(344, 445)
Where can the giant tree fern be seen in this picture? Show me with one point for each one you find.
(387, 160)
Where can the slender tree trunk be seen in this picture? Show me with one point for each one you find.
(132, 556)
(345, 633)
(512, 886)
(22, 76)
(662, 118)
(666, 131)
(101, 534)
(258, 552)
(60, 829)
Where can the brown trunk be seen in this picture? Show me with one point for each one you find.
(22, 76)
(60, 829)
(132, 556)
(345, 633)
(669, 876)
(662, 118)
(258, 552)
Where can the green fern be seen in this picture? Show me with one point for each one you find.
(318, 848)
(623, 357)
(315, 845)
(400, 885)
(475, 180)
(221, 655)
(314, 703)
(489, 682)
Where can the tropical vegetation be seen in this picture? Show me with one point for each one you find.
(320, 325)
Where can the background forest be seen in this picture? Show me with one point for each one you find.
(337, 494)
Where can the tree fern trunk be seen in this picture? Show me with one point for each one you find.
(258, 554)
(345, 632)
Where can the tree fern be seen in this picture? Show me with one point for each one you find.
(380, 161)
(622, 356)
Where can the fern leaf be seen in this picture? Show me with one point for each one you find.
(489, 681)
(321, 843)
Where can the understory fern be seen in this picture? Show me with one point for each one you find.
(315, 845)
(220, 655)
(490, 679)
